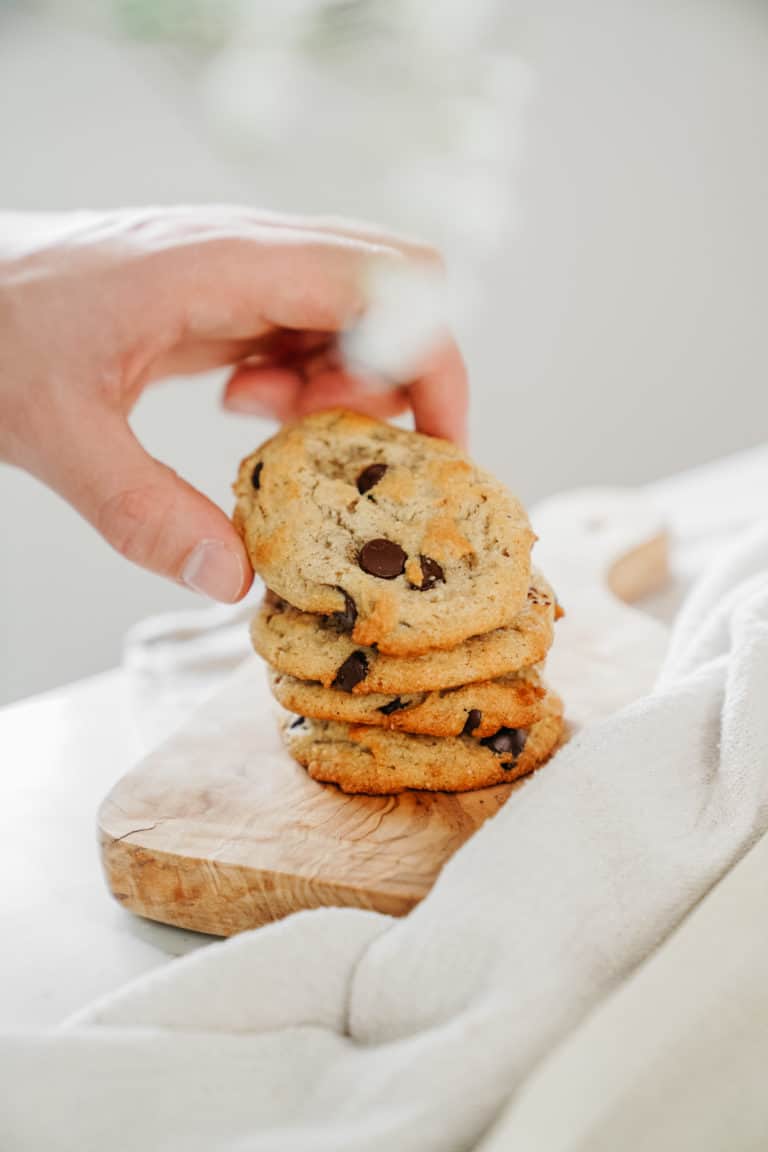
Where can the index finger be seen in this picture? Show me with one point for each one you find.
(355, 230)
(239, 220)
(227, 284)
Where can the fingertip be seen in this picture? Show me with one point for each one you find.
(218, 569)
(440, 396)
(267, 392)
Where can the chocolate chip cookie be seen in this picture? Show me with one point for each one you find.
(397, 535)
(478, 710)
(360, 758)
(320, 648)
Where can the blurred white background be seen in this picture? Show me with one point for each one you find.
(599, 181)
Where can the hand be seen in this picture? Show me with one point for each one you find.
(94, 307)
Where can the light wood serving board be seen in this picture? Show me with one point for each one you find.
(218, 830)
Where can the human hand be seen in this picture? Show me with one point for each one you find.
(94, 307)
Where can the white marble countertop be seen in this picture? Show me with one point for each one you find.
(65, 941)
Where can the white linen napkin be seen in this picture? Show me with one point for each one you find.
(346, 1030)
(675, 1059)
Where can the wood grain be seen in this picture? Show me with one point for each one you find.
(219, 830)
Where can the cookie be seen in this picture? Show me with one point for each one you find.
(479, 709)
(359, 758)
(398, 534)
(318, 648)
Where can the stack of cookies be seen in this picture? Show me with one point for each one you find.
(404, 628)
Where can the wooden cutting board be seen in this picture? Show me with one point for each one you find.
(218, 830)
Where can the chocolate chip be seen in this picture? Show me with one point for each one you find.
(256, 475)
(345, 620)
(393, 706)
(431, 574)
(370, 476)
(474, 719)
(506, 740)
(382, 558)
(353, 670)
(297, 722)
(509, 765)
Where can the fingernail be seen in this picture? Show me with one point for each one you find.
(248, 405)
(214, 570)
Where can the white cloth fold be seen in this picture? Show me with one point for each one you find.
(346, 1030)
(675, 1059)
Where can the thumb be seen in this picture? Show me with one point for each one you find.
(148, 513)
